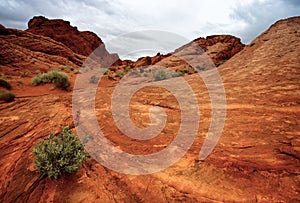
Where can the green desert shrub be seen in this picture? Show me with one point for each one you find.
(128, 68)
(37, 72)
(119, 73)
(25, 74)
(59, 154)
(7, 96)
(201, 68)
(160, 75)
(184, 71)
(175, 74)
(141, 70)
(59, 79)
(5, 84)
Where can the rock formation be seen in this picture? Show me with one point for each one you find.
(83, 43)
(257, 158)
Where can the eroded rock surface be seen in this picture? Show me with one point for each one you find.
(257, 158)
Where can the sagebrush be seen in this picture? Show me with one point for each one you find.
(59, 79)
(7, 96)
(59, 154)
(5, 84)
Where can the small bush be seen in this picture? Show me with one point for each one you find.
(5, 84)
(184, 71)
(25, 74)
(107, 72)
(59, 79)
(59, 154)
(128, 68)
(36, 81)
(141, 70)
(175, 74)
(133, 73)
(200, 68)
(37, 72)
(160, 75)
(7, 96)
(119, 73)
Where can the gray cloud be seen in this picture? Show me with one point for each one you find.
(136, 44)
(259, 15)
(190, 18)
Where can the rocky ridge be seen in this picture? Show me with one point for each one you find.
(256, 160)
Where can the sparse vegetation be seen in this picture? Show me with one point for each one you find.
(59, 79)
(120, 74)
(7, 96)
(141, 70)
(5, 84)
(175, 74)
(134, 72)
(59, 154)
(160, 75)
(25, 74)
(66, 68)
(200, 68)
(37, 72)
(184, 71)
(128, 68)
(220, 62)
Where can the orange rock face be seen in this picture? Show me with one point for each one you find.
(257, 158)
(219, 48)
(83, 43)
(21, 51)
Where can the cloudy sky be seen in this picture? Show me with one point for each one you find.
(188, 18)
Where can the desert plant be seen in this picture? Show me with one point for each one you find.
(141, 70)
(25, 74)
(184, 71)
(200, 68)
(128, 68)
(119, 73)
(59, 79)
(107, 72)
(7, 96)
(59, 154)
(133, 72)
(5, 84)
(37, 72)
(36, 81)
(160, 75)
(175, 74)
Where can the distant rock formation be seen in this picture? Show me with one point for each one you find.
(219, 48)
(257, 158)
(26, 51)
(83, 43)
